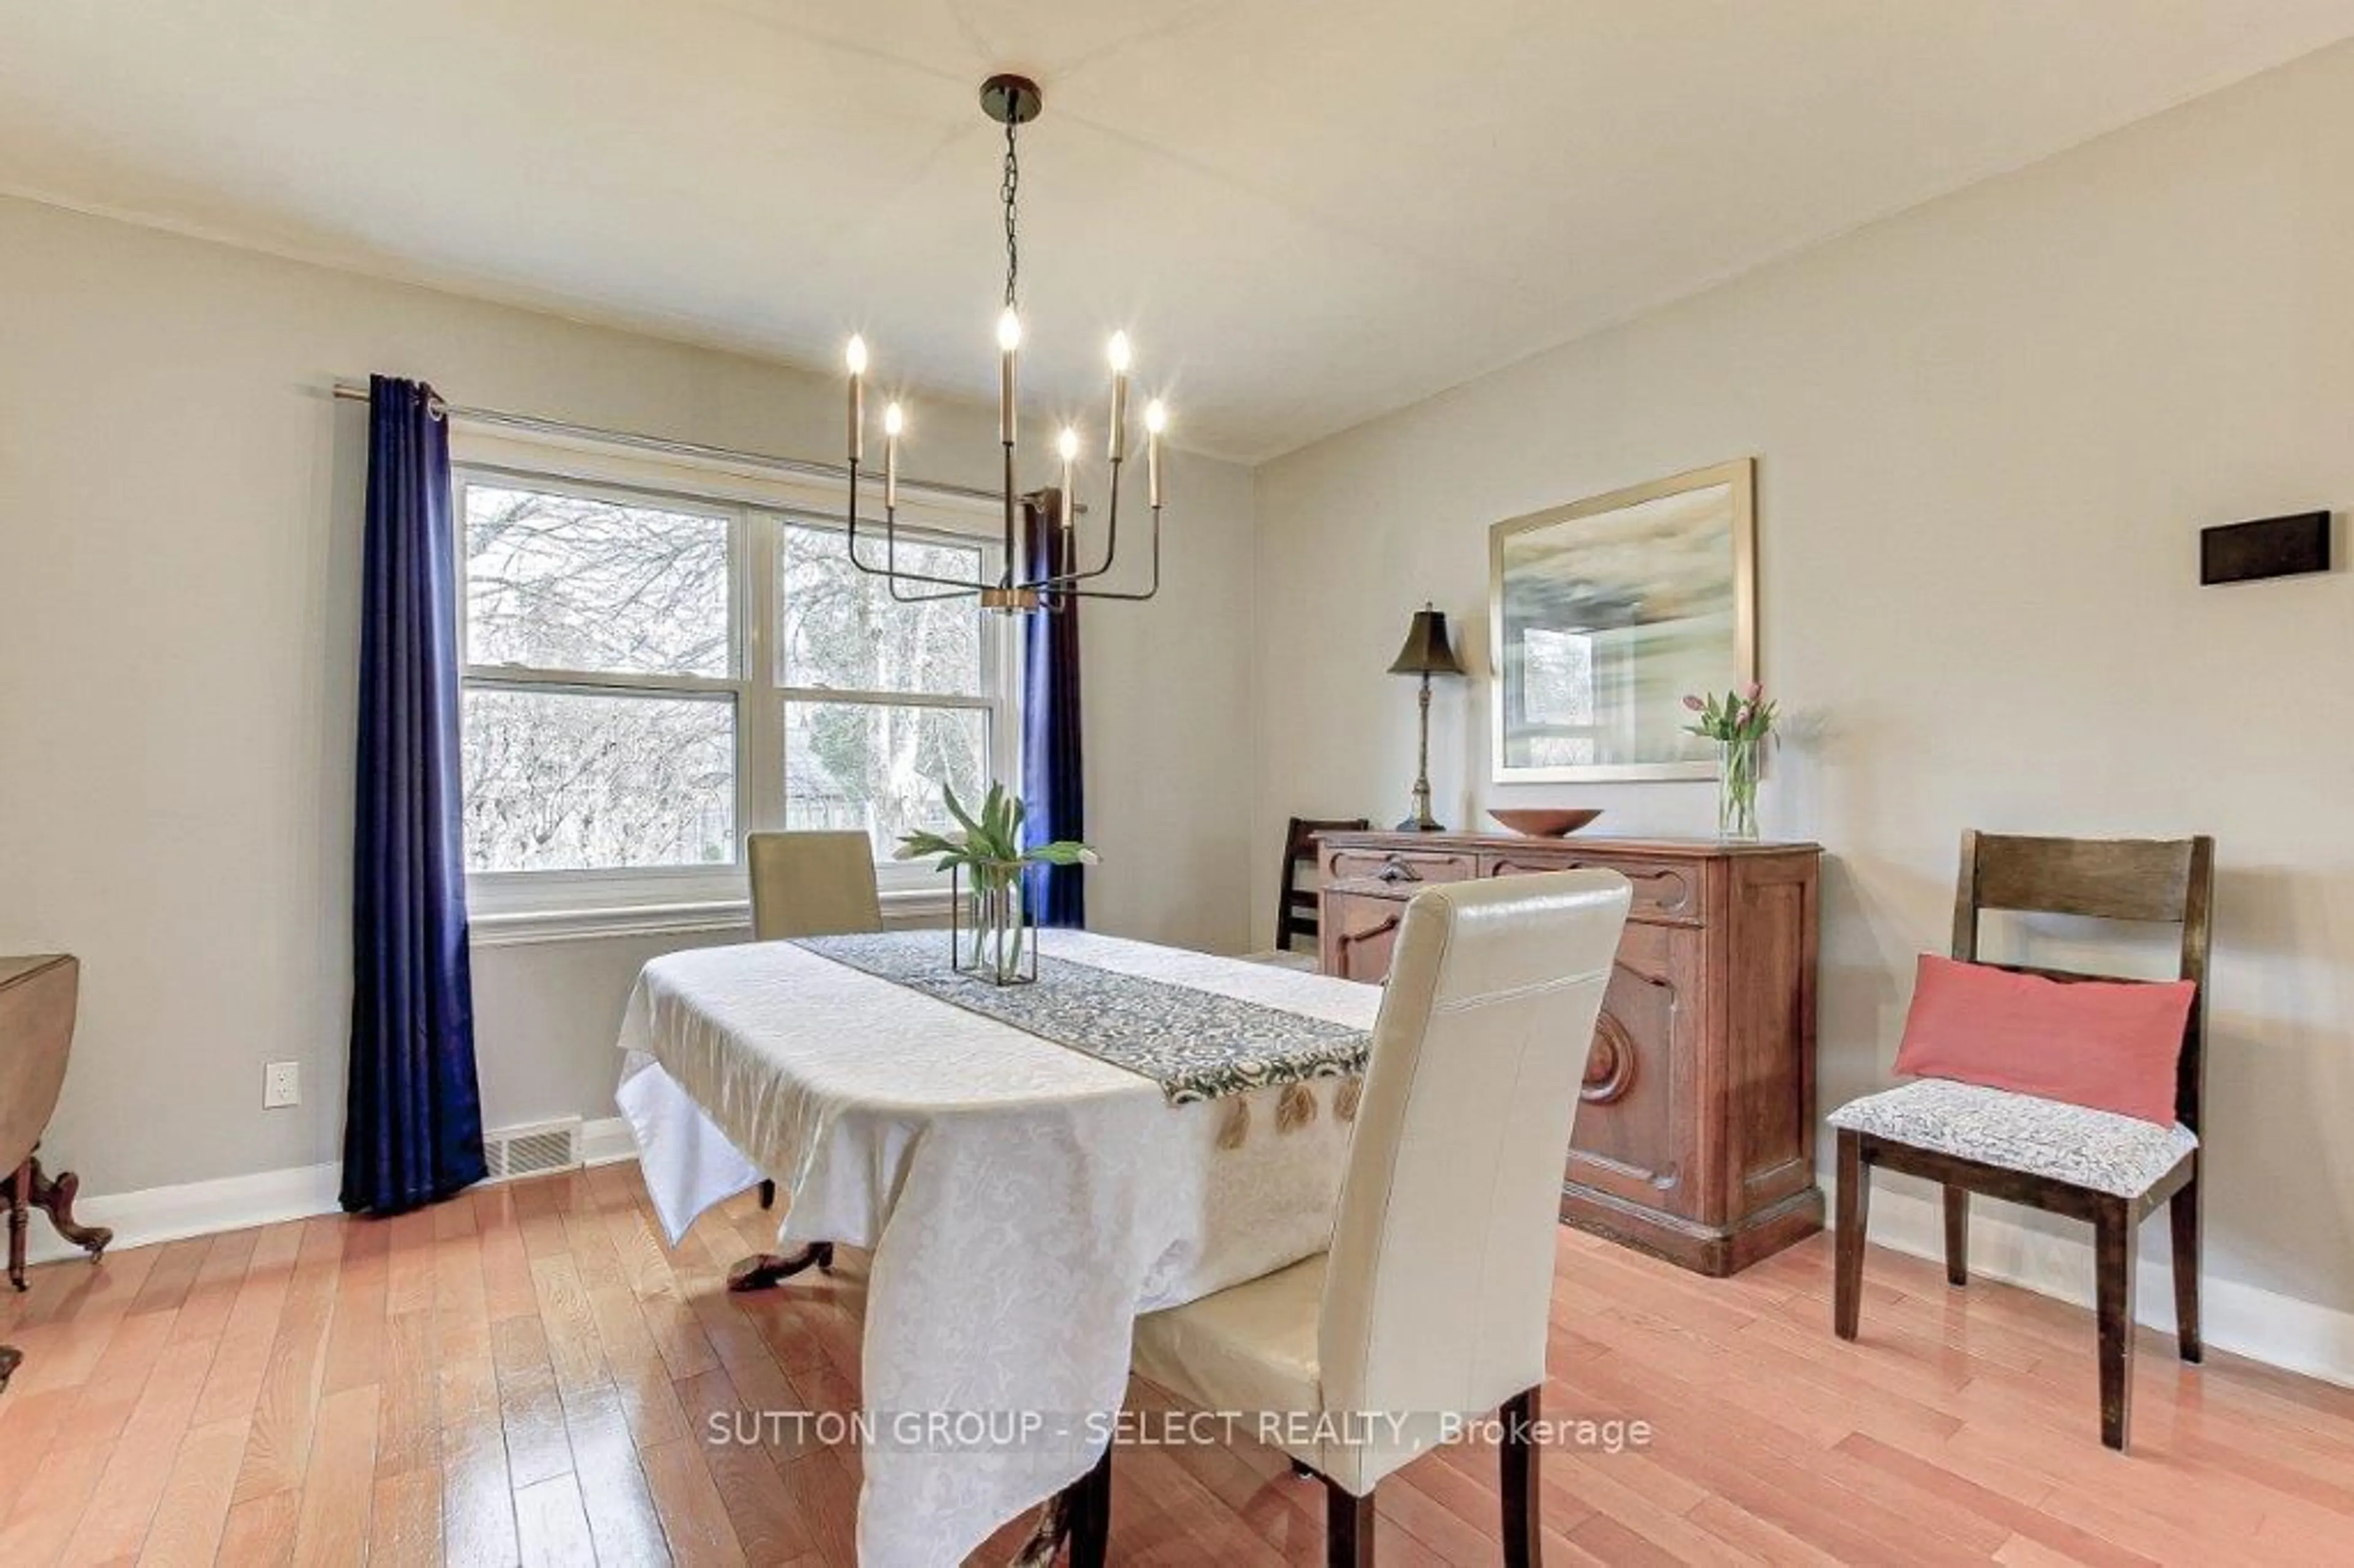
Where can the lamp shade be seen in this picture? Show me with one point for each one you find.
(1427, 650)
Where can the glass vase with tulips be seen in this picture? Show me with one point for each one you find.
(1741, 723)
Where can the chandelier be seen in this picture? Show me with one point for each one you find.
(1012, 101)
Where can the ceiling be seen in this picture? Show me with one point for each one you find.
(1306, 212)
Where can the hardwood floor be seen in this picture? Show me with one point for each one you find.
(524, 1375)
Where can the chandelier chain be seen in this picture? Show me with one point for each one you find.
(1009, 191)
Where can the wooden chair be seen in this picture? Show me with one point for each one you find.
(1296, 907)
(2112, 1170)
(813, 884)
(1432, 1303)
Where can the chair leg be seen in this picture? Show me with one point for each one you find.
(1957, 1235)
(2182, 1211)
(1348, 1526)
(1523, 1545)
(1854, 1212)
(1086, 1510)
(2114, 1297)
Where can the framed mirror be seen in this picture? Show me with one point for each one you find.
(1604, 613)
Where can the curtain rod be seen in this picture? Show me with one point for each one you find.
(352, 391)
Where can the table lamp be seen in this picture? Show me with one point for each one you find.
(1426, 653)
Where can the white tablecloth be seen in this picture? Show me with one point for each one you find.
(1022, 1200)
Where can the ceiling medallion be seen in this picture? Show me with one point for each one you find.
(1012, 101)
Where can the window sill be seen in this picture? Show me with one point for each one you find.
(529, 927)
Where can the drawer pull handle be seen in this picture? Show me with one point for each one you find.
(1398, 871)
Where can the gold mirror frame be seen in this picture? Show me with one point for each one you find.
(1739, 477)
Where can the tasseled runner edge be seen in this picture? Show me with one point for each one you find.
(1235, 1126)
(1295, 1108)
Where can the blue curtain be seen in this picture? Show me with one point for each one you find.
(1053, 785)
(413, 1116)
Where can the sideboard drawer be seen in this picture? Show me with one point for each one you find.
(1358, 930)
(1664, 890)
(1405, 869)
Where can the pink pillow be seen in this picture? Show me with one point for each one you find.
(2108, 1044)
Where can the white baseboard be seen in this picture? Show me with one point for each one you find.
(607, 1142)
(239, 1202)
(196, 1208)
(2262, 1325)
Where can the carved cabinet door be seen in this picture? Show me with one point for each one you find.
(1633, 1135)
(1359, 932)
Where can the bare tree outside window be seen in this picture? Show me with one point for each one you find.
(875, 754)
(579, 781)
(595, 776)
(567, 582)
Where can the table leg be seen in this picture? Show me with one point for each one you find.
(764, 1270)
(19, 1213)
(55, 1196)
(1048, 1532)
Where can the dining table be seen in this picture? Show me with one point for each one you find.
(1031, 1167)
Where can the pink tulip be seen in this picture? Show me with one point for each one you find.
(1695, 704)
(1755, 690)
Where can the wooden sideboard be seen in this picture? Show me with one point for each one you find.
(1695, 1139)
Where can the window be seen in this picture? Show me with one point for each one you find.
(651, 673)
(884, 702)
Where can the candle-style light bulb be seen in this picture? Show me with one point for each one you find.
(1008, 345)
(856, 357)
(1067, 444)
(1156, 420)
(893, 421)
(1117, 353)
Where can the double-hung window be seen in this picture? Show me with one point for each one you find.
(654, 669)
(885, 702)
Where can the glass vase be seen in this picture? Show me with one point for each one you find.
(999, 945)
(1737, 791)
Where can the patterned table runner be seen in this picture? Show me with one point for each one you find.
(1196, 1044)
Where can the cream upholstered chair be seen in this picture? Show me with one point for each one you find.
(1432, 1303)
(812, 884)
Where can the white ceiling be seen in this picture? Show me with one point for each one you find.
(1307, 212)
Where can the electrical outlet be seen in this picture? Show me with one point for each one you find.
(282, 1085)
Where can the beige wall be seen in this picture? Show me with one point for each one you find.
(1988, 433)
(179, 530)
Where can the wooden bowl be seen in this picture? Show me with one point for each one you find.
(1544, 823)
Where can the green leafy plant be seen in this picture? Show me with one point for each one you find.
(987, 847)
